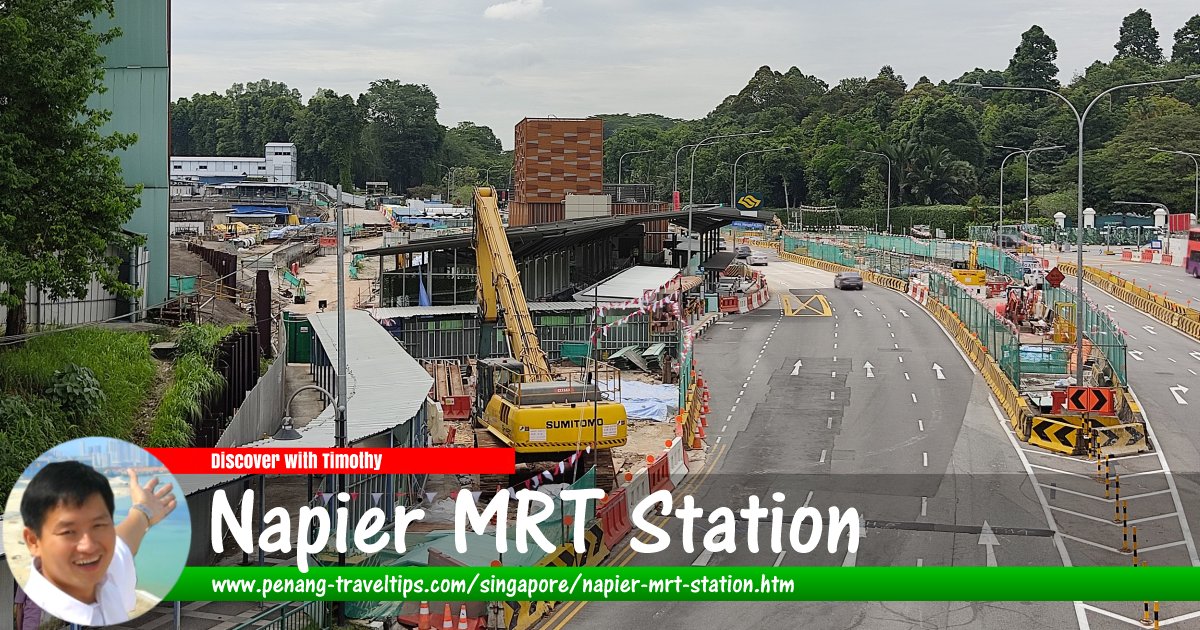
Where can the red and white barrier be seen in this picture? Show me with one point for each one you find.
(677, 462)
(1152, 256)
(918, 291)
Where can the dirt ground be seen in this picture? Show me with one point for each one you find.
(320, 274)
(185, 263)
(645, 437)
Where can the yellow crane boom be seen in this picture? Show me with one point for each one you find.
(500, 288)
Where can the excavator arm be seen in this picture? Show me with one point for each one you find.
(500, 290)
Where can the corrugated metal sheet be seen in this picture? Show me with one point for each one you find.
(143, 40)
(387, 389)
(629, 284)
(401, 312)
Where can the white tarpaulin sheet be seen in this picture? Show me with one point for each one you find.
(647, 401)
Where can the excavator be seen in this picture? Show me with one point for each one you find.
(521, 402)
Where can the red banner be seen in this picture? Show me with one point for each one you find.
(320, 461)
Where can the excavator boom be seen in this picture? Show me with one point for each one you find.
(500, 288)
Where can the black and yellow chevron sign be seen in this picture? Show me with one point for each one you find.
(749, 201)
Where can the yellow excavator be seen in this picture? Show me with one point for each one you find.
(521, 402)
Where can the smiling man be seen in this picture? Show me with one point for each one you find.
(83, 570)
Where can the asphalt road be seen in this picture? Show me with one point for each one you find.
(1178, 285)
(797, 412)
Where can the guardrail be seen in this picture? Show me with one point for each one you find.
(1164, 309)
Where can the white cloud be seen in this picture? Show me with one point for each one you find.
(514, 10)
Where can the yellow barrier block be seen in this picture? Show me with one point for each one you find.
(1056, 436)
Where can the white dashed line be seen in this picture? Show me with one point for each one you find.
(924, 505)
(921, 425)
(920, 562)
(901, 359)
(718, 439)
(829, 423)
(807, 498)
(835, 346)
(741, 393)
(925, 459)
(896, 346)
(733, 408)
(724, 427)
(738, 400)
(833, 374)
(893, 335)
(906, 377)
(1152, 348)
(1172, 360)
(830, 395)
(729, 417)
(914, 397)
(822, 457)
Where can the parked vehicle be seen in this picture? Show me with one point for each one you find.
(743, 251)
(729, 285)
(848, 280)
(757, 259)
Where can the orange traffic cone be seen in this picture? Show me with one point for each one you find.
(423, 617)
(700, 432)
(703, 421)
(447, 619)
(462, 618)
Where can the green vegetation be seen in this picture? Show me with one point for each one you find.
(941, 138)
(70, 384)
(63, 201)
(194, 381)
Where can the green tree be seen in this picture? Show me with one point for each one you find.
(1032, 64)
(327, 133)
(1187, 43)
(1127, 170)
(402, 135)
(63, 200)
(259, 112)
(195, 122)
(1139, 38)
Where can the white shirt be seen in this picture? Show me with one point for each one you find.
(115, 599)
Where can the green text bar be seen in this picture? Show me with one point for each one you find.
(690, 583)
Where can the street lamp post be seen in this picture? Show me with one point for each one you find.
(1080, 119)
(623, 159)
(449, 180)
(1196, 203)
(339, 430)
(676, 188)
(733, 185)
(889, 188)
(1028, 153)
(1000, 229)
(692, 189)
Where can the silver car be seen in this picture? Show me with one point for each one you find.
(848, 280)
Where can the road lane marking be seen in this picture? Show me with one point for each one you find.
(829, 423)
(925, 459)
(901, 359)
(807, 498)
(724, 427)
(823, 451)
(779, 559)
(906, 377)
(914, 397)
(830, 395)
(924, 505)
(921, 425)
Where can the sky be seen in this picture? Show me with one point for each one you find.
(496, 62)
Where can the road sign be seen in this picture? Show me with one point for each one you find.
(1055, 277)
(1090, 399)
(749, 201)
(747, 225)
(1156, 245)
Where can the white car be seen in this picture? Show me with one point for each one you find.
(757, 259)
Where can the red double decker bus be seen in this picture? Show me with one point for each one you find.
(1192, 263)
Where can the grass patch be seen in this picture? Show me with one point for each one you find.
(194, 381)
(43, 382)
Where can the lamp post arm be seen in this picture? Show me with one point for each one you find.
(288, 406)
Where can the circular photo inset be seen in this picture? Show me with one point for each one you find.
(96, 533)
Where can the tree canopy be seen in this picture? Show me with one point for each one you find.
(63, 201)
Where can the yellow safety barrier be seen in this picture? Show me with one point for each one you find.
(1165, 310)
(1055, 435)
(1120, 439)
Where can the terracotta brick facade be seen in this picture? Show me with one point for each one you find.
(553, 158)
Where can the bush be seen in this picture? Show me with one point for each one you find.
(194, 381)
(77, 391)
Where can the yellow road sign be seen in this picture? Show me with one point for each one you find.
(749, 201)
(813, 305)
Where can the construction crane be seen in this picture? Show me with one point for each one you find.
(520, 401)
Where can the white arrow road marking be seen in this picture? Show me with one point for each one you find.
(1110, 307)
(904, 312)
(868, 367)
(703, 559)
(1194, 355)
(858, 312)
(1136, 354)
(852, 556)
(937, 368)
(1178, 392)
(1149, 329)
(796, 368)
(987, 538)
